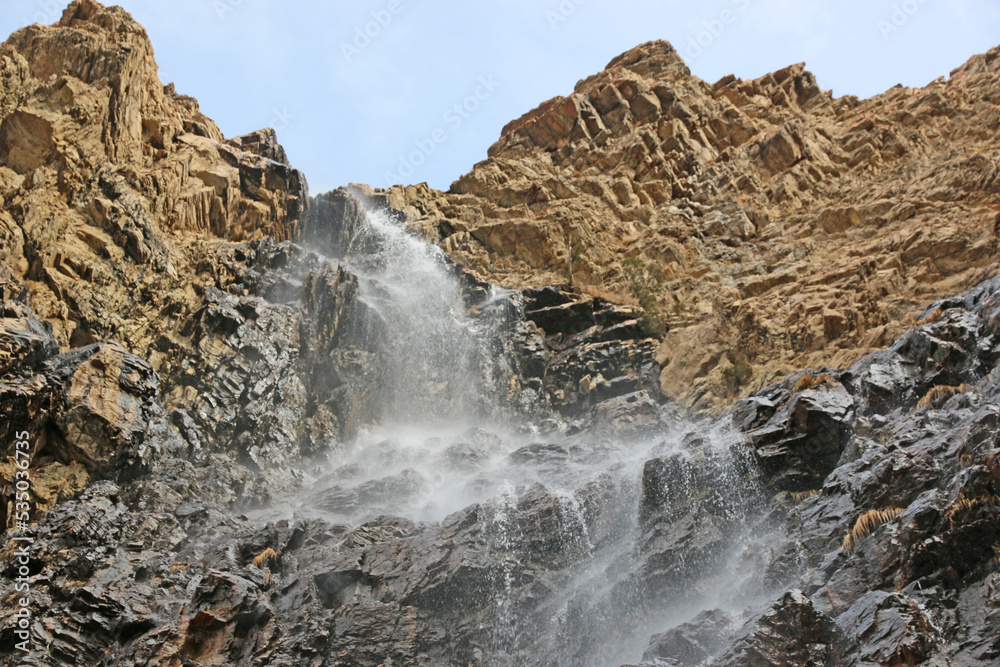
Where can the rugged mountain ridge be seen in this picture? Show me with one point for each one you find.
(129, 223)
(185, 350)
(787, 228)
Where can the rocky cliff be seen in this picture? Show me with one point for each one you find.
(770, 225)
(204, 359)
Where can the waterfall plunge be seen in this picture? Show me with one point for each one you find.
(450, 435)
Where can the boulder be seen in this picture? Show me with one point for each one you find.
(790, 632)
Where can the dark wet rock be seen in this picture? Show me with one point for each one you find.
(913, 585)
(251, 398)
(24, 340)
(978, 606)
(338, 339)
(378, 496)
(891, 628)
(465, 456)
(335, 220)
(797, 435)
(580, 351)
(630, 413)
(94, 405)
(693, 642)
(696, 504)
(540, 456)
(563, 314)
(581, 374)
(280, 364)
(791, 632)
(471, 450)
(958, 345)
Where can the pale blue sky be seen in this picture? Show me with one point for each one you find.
(352, 113)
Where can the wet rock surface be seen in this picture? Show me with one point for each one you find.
(583, 350)
(157, 563)
(692, 642)
(913, 490)
(797, 431)
(192, 359)
(791, 632)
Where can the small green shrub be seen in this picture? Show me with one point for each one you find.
(645, 281)
(739, 374)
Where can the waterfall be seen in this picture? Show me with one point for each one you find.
(607, 515)
(433, 352)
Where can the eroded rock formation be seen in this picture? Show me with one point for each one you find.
(111, 182)
(792, 228)
(188, 349)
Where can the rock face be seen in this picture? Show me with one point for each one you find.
(889, 553)
(127, 216)
(195, 355)
(583, 350)
(110, 181)
(787, 228)
(791, 632)
(899, 542)
(153, 564)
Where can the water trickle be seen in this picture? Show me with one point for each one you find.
(503, 536)
(574, 523)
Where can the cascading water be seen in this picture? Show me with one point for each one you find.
(432, 350)
(595, 541)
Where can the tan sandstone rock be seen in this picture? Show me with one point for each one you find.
(791, 228)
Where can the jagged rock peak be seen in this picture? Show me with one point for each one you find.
(981, 63)
(657, 59)
(751, 209)
(108, 178)
(92, 42)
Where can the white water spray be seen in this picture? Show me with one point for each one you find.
(448, 438)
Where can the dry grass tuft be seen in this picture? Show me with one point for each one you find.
(960, 506)
(938, 396)
(930, 318)
(265, 556)
(965, 504)
(868, 522)
(799, 496)
(268, 577)
(811, 381)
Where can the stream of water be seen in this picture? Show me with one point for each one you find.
(452, 434)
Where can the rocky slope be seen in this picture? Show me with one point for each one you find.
(185, 338)
(784, 227)
(871, 496)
